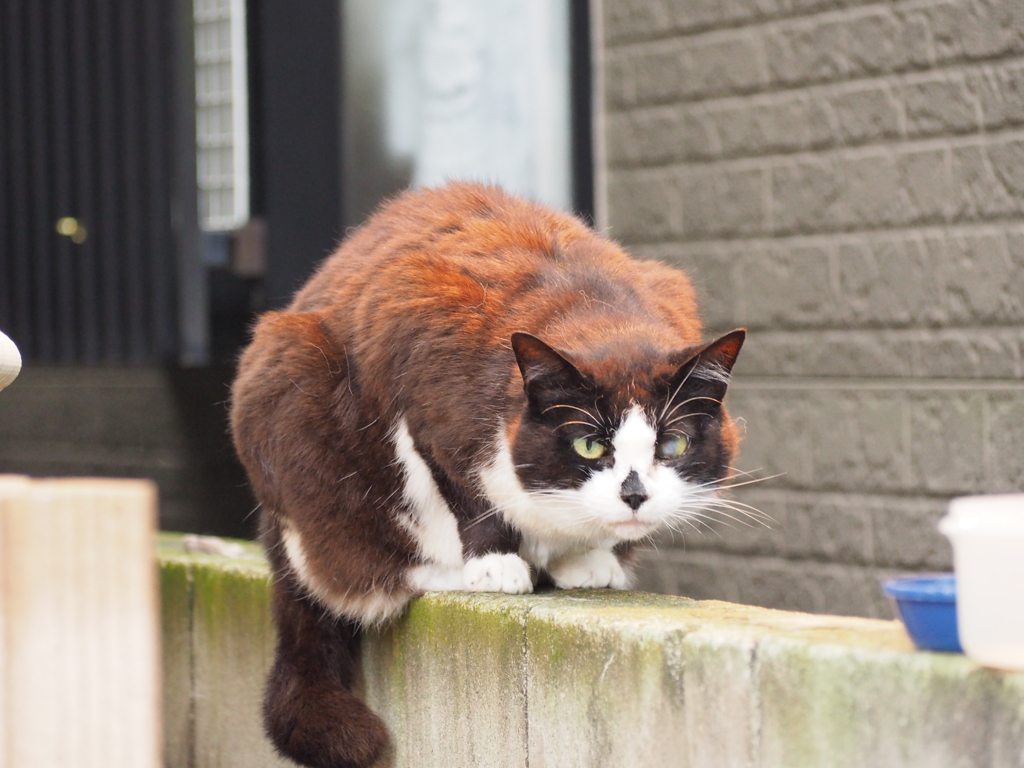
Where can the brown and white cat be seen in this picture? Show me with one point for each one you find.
(472, 393)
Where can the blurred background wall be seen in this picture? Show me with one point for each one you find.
(167, 169)
(846, 180)
(171, 168)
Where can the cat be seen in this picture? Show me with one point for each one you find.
(474, 392)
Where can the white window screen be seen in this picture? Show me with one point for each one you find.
(222, 114)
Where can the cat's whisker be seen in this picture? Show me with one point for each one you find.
(752, 481)
(720, 481)
(574, 408)
(709, 485)
(694, 519)
(694, 523)
(745, 519)
(686, 378)
(706, 529)
(686, 416)
(481, 518)
(743, 471)
(745, 510)
(726, 515)
(687, 401)
(736, 502)
(581, 423)
(711, 495)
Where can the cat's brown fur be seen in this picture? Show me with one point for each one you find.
(411, 320)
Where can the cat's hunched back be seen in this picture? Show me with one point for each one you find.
(473, 392)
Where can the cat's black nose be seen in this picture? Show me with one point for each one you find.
(633, 491)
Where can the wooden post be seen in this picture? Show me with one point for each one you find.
(79, 654)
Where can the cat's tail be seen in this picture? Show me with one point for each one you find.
(310, 710)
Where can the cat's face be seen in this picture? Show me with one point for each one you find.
(609, 452)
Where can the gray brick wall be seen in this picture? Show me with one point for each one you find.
(845, 178)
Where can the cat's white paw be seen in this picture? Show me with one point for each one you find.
(596, 568)
(497, 573)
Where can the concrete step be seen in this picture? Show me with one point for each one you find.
(165, 424)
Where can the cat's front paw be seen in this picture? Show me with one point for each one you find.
(497, 573)
(596, 568)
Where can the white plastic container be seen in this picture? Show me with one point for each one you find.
(987, 533)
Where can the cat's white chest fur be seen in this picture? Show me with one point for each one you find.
(432, 525)
(426, 516)
(430, 521)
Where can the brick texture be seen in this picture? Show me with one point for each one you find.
(844, 178)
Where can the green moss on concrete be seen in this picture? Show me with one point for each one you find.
(824, 705)
(234, 645)
(176, 646)
(230, 597)
(219, 609)
(440, 674)
(590, 671)
(594, 677)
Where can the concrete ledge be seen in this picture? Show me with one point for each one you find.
(218, 644)
(593, 679)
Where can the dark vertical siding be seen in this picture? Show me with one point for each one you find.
(83, 142)
(128, 38)
(40, 125)
(108, 234)
(87, 100)
(18, 293)
(582, 107)
(159, 243)
(298, 94)
(6, 267)
(62, 176)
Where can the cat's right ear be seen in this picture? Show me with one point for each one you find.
(547, 375)
(707, 369)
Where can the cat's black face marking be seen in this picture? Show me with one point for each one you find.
(680, 396)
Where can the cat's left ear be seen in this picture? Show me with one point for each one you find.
(547, 375)
(709, 367)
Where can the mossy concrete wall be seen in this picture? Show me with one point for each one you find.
(218, 642)
(592, 679)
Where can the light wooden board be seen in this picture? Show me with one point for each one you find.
(79, 646)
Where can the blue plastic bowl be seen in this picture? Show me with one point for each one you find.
(927, 605)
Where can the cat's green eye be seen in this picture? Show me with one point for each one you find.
(673, 447)
(588, 448)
